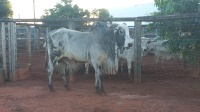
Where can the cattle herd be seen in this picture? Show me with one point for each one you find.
(104, 47)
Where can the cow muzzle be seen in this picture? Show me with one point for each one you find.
(130, 45)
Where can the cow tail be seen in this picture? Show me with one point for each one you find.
(45, 59)
(46, 52)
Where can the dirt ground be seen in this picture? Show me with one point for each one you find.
(174, 90)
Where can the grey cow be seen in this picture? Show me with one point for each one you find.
(161, 52)
(96, 47)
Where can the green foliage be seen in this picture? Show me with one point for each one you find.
(182, 34)
(65, 10)
(5, 9)
(177, 6)
(100, 13)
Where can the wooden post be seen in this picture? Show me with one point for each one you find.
(47, 31)
(71, 70)
(37, 39)
(34, 39)
(28, 42)
(3, 40)
(137, 52)
(71, 24)
(12, 50)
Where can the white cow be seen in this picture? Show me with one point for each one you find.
(127, 57)
(96, 47)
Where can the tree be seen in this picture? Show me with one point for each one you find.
(5, 9)
(183, 34)
(100, 13)
(65, 10)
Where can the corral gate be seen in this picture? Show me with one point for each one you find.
(138, 33)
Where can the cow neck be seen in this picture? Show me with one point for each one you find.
(108, 45)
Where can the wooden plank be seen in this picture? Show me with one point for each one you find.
(37, 39)
(137, 52)
(15, 40)
(28, 42)
(3, 40)
(68, 19)
(71, 70)
(142, 18)
(47, 30)
(14, 47)
(71, 24)
(9, 52)
(168, 17)
(12, 50)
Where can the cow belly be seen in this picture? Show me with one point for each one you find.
(78, 53)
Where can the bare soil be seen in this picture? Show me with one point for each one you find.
(172, 90)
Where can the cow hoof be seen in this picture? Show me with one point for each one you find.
(52, 90)
(130, 78)
(102, 93)
(68, 89)
(85, 76)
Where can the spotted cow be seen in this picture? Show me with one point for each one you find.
(97, 47)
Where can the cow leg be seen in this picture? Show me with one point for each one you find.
(50, 85)
(62, 66)
(86, 68)
(129, 70)
(98, 80)
(50, 69)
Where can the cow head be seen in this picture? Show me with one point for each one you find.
(121, 35)
(151, 46)
(123, 32)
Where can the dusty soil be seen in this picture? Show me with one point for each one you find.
(171, 91)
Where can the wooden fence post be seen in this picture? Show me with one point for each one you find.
(47, 30)
(28, 42)
(36, 40)
(71, 70)
(3, 43)
(71, 24)
(12, 50)
(137, 52)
